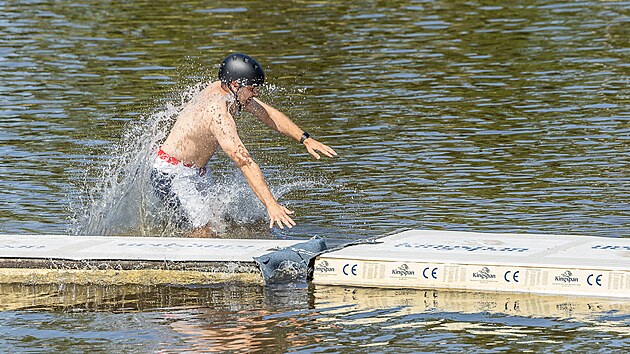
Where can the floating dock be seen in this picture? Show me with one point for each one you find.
(424, 259)
(414, 259)
(36, 259)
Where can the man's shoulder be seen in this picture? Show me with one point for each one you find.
(212, 97)
(212, 88)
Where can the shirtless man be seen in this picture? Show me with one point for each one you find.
(206, 123)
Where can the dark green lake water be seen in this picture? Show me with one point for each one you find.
(454, 115)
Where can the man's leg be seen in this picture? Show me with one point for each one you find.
(195, 206)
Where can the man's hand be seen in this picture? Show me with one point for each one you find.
(313, 146)
(280, 215)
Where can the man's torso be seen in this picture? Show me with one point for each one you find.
(191, 139)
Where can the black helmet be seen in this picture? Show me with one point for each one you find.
(241, 68)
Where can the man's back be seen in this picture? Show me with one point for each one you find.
(191, 139)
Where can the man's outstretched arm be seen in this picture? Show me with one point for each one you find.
(224, 130)
(281, 123)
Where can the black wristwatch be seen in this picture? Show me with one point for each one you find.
(304, 137)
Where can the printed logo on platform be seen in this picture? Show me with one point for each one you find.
(323, 267)
(403, 271)
(484, 274)
(567, 278)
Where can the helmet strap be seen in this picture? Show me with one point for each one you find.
(239, 106)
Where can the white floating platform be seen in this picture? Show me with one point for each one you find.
(417, 259)
(37, 259)
(421, 259)
(161, 249)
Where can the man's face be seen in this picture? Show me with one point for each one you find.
(246, 93)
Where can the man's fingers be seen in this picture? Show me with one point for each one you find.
(327, 153)
(314, 153)
(327, 150)
(282, 221)
(324, 149)
(290, 221)
(279, 223)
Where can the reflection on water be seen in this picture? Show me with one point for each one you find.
(238, 317)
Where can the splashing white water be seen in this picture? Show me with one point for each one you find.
(123, 202)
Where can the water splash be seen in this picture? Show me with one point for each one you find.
(121, 202)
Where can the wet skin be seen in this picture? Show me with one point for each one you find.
(207, 122)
